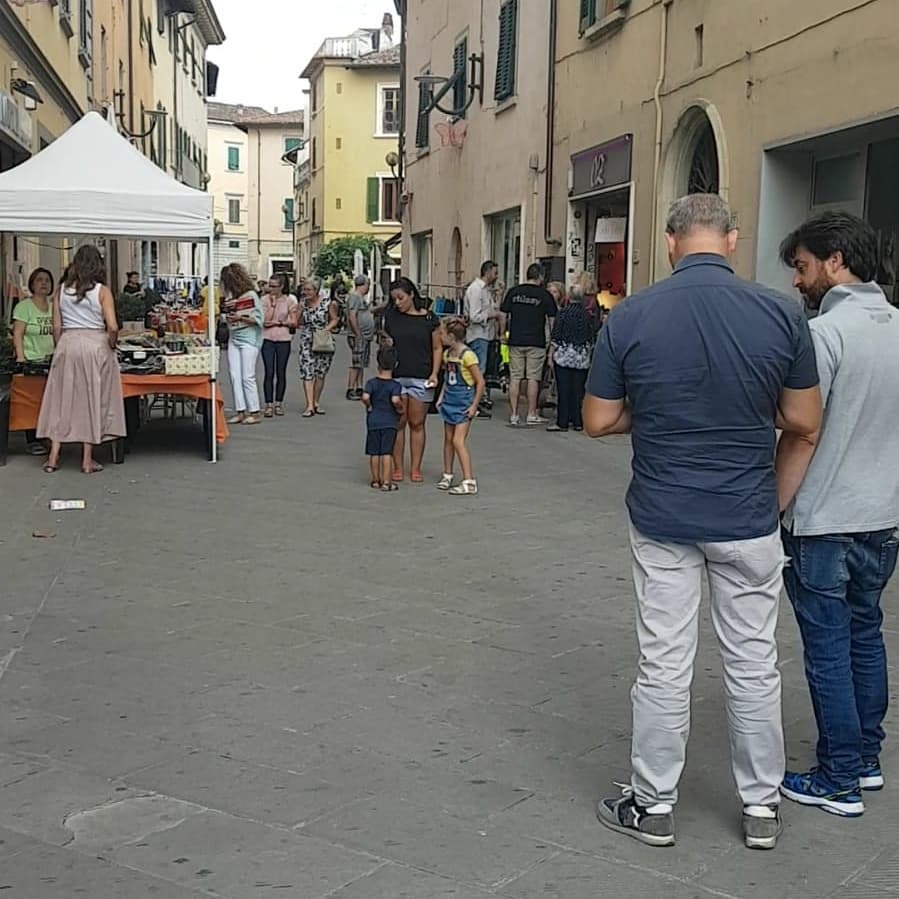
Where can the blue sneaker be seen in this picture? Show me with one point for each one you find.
(806, 789)
(871, 777)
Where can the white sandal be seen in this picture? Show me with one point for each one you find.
(466, 488)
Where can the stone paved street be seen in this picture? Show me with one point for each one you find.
(263, 679)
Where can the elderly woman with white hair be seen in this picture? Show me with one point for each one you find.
(318, 321)
(570, 354)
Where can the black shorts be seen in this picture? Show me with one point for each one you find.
(380, 442)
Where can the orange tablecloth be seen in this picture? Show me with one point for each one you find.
(27, 392)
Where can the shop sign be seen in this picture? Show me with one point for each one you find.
(602, 167)
(15, 123)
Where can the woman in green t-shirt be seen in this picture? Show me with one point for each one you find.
(32, 333)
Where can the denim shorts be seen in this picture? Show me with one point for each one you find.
(415, 389)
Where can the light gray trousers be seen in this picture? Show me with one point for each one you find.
(745, 581)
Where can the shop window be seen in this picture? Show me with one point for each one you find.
(460, 75)
(423, 126)
(233, 212)
(423, 254)
(388, 109)
(835, 180)
(505, 245)
(507, 52)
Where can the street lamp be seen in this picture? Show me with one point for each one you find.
(475, 86)
(154, 115)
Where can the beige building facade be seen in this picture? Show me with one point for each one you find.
(785, 109)
(228, 150)
(274, 142)
(347, 186)
(45, 86)
(475, 182)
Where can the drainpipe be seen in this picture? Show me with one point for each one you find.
(548, 235)
(131, 127)
(657, 162)
(259, 200)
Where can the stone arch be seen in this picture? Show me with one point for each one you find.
(695, 160)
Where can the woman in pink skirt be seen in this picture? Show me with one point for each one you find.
(83, 400)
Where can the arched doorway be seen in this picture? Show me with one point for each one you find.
(703, 176)
(455, 260)
(696, 161)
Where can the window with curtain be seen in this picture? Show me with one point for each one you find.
(593, 11)
(288, 214)
(234, 212)
(388, 109)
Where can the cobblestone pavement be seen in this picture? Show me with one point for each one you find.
(263, 679)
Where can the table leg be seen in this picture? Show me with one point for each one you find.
(5, 386)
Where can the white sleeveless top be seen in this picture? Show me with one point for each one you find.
(87, 313)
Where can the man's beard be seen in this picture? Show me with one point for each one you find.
(814, 294)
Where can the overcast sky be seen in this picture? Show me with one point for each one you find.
(269, 42)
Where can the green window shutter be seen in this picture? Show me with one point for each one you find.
(233, 159)
(460, 74)
(288, 213)
(588, 14)
(423, 127)
(507, 52)
(373, 200)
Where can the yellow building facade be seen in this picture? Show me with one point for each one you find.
(348, 187)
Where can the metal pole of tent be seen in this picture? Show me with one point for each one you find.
(211, 297)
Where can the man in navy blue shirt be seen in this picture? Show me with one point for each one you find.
(701, 368)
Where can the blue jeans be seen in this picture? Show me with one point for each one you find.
(481, 348)
(835, 583)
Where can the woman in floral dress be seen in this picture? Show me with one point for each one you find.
(316, 314)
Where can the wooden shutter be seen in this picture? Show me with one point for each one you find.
(507, 53)
(460, 75)
(423, 127)
(373, 200)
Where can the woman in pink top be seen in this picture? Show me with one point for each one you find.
(279, 322)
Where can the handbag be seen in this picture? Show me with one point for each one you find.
(323, 341)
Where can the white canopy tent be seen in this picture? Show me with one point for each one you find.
(92, 181)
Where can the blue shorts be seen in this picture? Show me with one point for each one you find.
(380, 442)
(415, 389)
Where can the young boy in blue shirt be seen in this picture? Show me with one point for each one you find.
(382, 399)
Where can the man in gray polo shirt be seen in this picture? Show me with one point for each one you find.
(841, 503)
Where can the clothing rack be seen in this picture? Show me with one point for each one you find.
(171, 286)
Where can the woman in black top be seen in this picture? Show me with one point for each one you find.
(412, 329)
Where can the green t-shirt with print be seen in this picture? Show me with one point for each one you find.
(38, 339)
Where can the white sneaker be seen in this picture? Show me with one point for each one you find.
(445, 482)
(514, 420)
(537, 420)
(466, 488)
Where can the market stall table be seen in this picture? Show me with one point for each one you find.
(27, 391)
